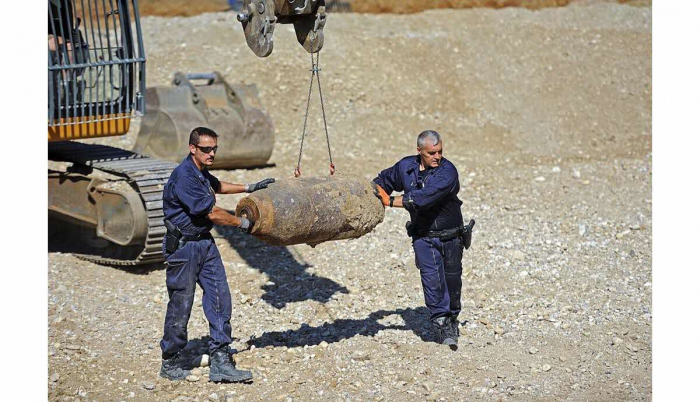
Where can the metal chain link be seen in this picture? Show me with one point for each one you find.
(314, 71)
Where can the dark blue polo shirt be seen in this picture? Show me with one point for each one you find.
(189, 196)
(434, 196)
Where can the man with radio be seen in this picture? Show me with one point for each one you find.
(430, 184)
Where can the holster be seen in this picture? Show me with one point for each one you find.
(172, 237)
(467, 234)
(409, 228)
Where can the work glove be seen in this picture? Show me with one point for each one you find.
(381, 194)
(249, 188)
(246, 225)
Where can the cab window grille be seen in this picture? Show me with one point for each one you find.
(96, 61)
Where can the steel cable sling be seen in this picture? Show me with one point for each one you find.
(315, 69)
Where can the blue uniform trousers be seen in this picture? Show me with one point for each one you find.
(440, 265)
(196, 262)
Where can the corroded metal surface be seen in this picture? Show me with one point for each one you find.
(313, 210)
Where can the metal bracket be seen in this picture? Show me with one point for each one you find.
(309, 30)
(258, 19)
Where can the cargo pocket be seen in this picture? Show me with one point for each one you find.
(453, 256)
(176, 277)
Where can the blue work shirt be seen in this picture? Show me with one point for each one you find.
(189, 196)
(434, 203)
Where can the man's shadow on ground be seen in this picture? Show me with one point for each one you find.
(414, 319)
(291, 282)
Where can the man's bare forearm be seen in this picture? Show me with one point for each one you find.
(234, 188)
(222, 217)
(398, 202)
(231, 188)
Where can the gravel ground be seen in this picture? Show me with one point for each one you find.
(546, 114)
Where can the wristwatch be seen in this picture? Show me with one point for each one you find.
(391, 201)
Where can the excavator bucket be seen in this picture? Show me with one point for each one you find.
(246, 133)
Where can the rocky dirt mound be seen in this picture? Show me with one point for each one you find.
(188, 8)
(413, 6)
(546, 114)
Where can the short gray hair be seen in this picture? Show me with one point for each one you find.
(431, 135)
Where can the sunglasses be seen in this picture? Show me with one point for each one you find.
(207, 150)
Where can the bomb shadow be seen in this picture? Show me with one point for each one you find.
(415, 320)
(290, 280)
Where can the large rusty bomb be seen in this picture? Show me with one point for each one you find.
(312, 210)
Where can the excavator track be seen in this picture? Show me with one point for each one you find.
(147, 176)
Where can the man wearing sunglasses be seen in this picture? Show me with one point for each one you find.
(189, 206)
(430, 184)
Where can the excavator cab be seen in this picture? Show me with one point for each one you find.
(103, 201)
(96, 68)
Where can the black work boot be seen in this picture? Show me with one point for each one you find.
(223, 369)
(455, 326)
(175, 368)
(445, 332)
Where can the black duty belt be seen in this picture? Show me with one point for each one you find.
(465, 232)
(175, 239)
(447, 234)
(185, 237)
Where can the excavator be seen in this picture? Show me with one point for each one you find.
(111, 198)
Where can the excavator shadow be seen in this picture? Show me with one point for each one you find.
(290, 280)
(413, 319)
